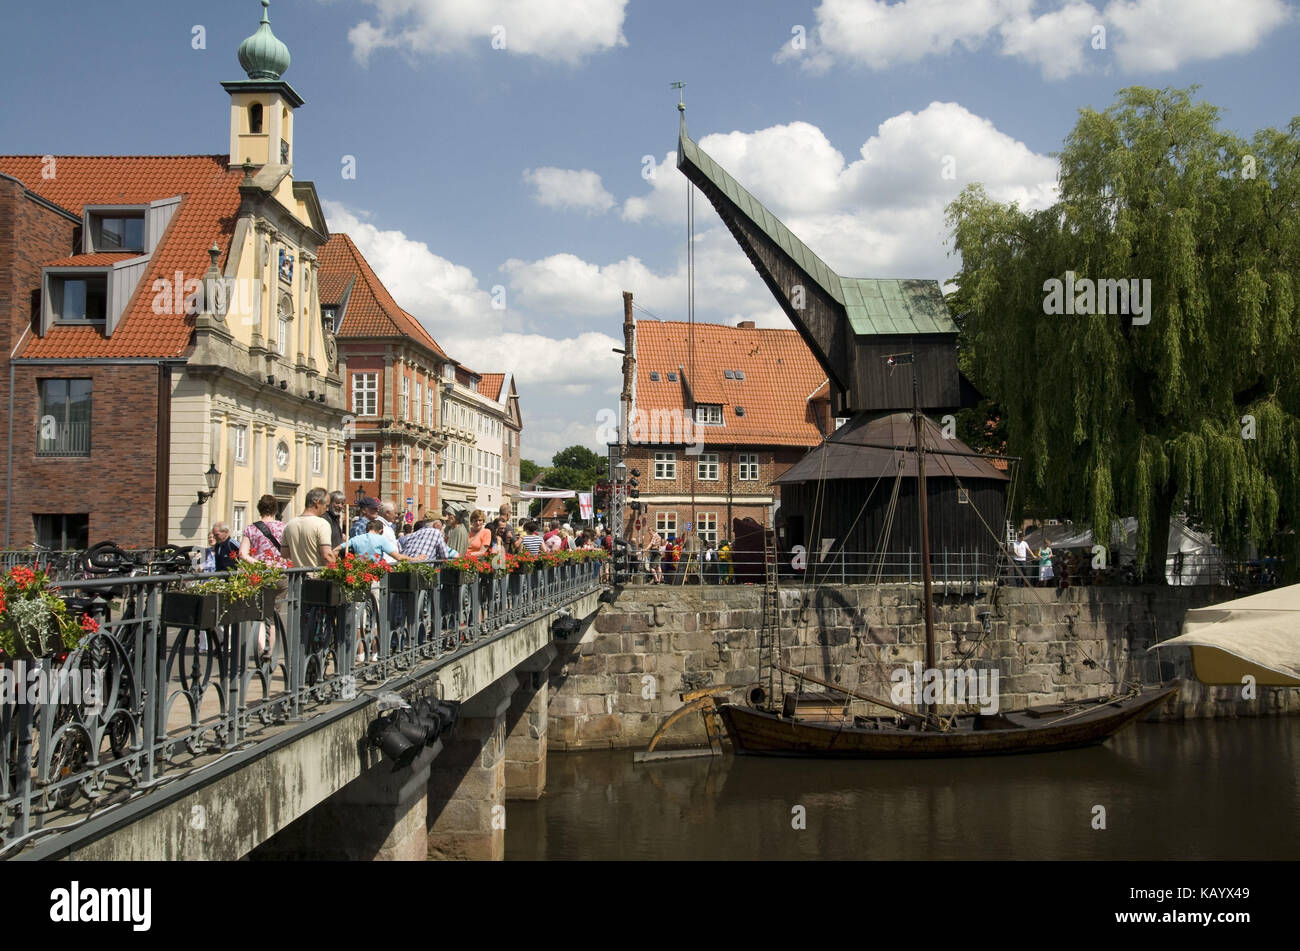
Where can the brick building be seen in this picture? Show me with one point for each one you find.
(162, 330)
(395, 375)
(711, 426)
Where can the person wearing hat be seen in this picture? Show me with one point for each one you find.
(369, 511)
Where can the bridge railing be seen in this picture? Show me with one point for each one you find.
(955, 569)
(154, 692)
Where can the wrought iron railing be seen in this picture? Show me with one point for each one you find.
(174, 695)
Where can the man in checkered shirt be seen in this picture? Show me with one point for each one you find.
(426, 543)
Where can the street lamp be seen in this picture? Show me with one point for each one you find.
(213, 478)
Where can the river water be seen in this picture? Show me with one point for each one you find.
(1204, 789)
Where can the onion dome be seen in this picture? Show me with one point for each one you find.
(263, 55)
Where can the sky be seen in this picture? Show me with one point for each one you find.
(514, 159)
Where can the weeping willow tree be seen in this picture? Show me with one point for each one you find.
(1188, 399)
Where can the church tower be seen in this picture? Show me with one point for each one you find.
(262, 106)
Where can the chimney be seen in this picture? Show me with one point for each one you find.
(745, 325)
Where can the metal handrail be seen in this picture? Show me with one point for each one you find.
(968, 567)
(167, 704)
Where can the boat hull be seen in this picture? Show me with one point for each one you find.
(761, 733)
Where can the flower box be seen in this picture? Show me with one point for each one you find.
(409, 582)
(319, 591)
(209, 611)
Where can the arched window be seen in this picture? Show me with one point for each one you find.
(286, 315)
(255, 118)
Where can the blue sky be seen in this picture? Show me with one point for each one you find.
(522, 167)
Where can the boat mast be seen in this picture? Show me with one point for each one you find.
(925, 528)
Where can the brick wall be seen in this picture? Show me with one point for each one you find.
(116, 483)
(772, 463)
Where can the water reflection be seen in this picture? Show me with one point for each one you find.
(1197, 790)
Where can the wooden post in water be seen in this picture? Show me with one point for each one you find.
(925, 530)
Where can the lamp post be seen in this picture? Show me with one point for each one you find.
(213, 478)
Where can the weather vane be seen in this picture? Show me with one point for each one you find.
(681, 96)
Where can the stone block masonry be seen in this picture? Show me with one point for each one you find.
(615, 687)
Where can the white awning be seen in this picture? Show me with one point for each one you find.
(549, 494)
(1257, 635)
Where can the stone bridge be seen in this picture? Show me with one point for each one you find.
(307, 784)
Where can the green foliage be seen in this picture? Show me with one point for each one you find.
(528, 470)
(577, 457)
(1116, 418)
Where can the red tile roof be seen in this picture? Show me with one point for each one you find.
(489, 385)
(101, 259)
(779, 371)
(209, 204)
(371, 312)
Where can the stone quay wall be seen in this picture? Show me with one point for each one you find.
(614, 687)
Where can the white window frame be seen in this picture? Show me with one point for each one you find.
(709, 534)
(239, 443)
(748, 467)
(364, 453)
(237, 520)
(406, 464)
(365, 394)
(705, 464)
(317, 455)
(666, 465)
(404, 403)
(419, 466)
(662, 526)
(708, 414)
(419, 403)
(282, 336)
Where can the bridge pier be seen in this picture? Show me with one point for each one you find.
(379, 816)
(526, 728)
(466, 790)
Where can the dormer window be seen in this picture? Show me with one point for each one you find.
(79, 299)
(255, 119)
(654, 376)
(708, 414)
(114, 232)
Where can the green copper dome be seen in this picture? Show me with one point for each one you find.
(262, 55)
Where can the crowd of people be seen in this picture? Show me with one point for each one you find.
(323, 531)
(684, 559)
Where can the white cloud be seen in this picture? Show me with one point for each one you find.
(1161, 35)
(881, 215)
(442, 294)
(1059, 38)
(553, 374)
(562, 30)
(565, 188)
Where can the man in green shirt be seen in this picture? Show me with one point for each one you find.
(457, 534)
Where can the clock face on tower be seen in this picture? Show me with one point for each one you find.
(282, 455)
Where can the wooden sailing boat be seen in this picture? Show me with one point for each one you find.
(760, 728)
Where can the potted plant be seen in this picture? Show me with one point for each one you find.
(34, 620)
(464, 570)
(246, 593)
(347, 580)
